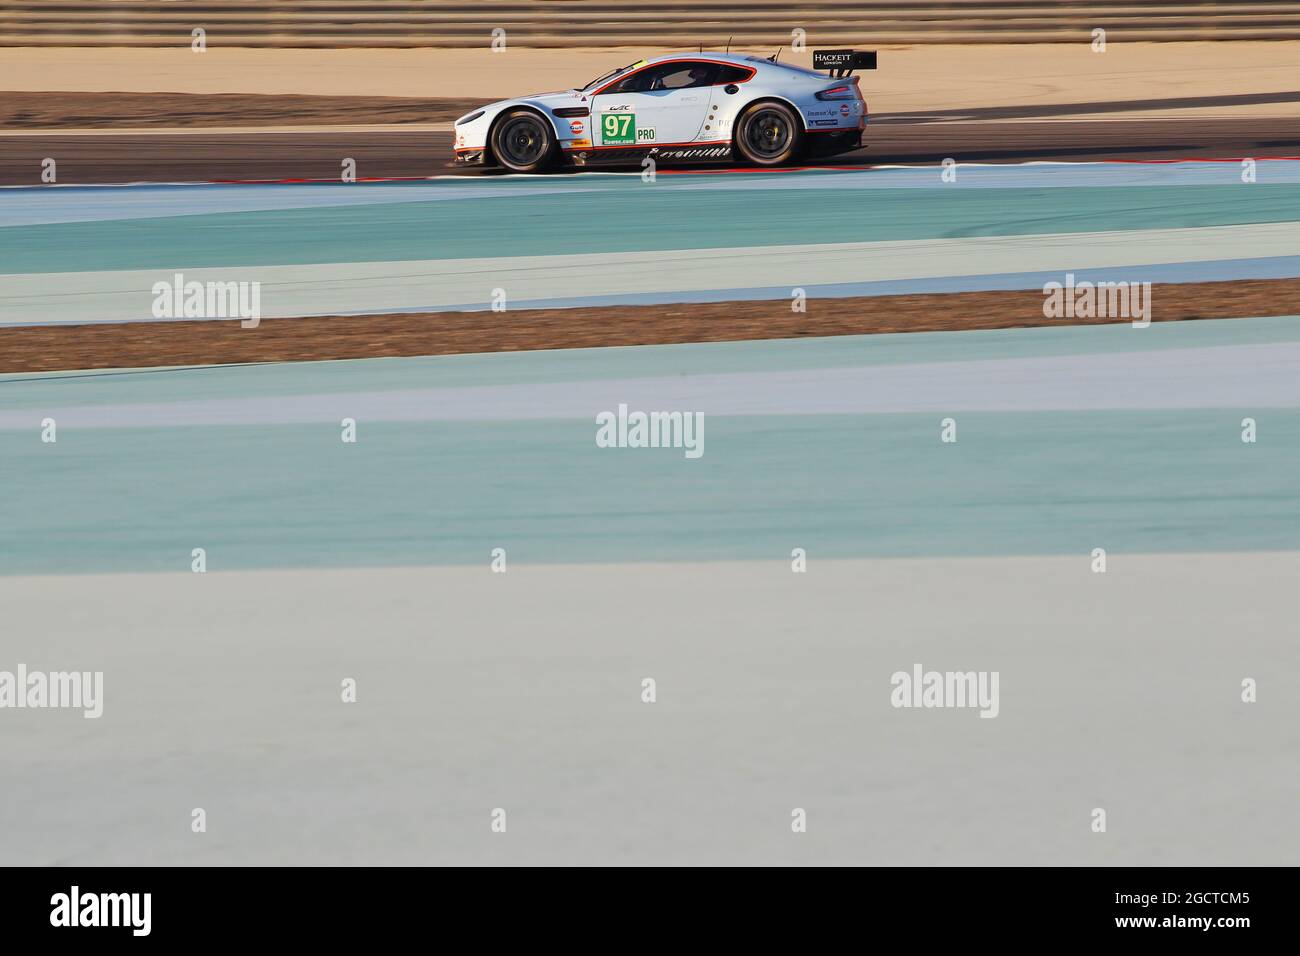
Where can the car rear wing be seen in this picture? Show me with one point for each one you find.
(844, 62)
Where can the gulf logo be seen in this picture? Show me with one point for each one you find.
(844, 109)
(576, 127)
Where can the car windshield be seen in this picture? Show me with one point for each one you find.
(608, 76)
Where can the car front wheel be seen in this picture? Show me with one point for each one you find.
(523, 142)
(768, 134)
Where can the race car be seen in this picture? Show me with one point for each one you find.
(682, 107)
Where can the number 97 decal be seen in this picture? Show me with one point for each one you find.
(617, 129)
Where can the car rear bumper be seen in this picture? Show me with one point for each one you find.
(833, 141)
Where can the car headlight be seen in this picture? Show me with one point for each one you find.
(470, 118)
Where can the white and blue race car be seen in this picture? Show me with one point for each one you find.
(682, 107)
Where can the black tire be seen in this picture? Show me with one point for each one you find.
(768, 134)
(523, 142)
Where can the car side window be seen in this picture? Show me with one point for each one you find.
(679, 75)
(638, 82)
(733, 74)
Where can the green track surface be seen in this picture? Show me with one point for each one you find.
(627, 219)
(258, 496)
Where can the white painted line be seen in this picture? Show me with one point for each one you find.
(1231, 376)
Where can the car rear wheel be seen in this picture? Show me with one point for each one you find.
(523, 142)
(768, 134)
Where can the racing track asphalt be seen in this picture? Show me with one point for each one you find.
(921, 139)
(371, 558)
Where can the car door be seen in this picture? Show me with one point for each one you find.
(660, 104)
